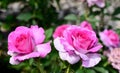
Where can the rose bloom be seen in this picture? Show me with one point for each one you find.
(25, 43)
(78, 42)
(99, 3)
(109, 38)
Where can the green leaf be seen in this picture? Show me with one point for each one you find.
(1, 23)
(115, 18)
(101, 69)
(71, 17)
(31, 61)
(89, 71)
(39, 16)
(34, 70)
(80, 71)
(48, 33)
(93, 21)
(24, 16)
(34, 22)
(20, 66)
(117, 11)
(118, 31)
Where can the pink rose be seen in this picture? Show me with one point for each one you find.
(78, 43)
(25, 43)
(59, 30)
(109, 38)
(100, 3)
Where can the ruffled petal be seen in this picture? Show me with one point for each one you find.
(13, 61)
(92, 61)
(37, 34)
(100, 3)
(58, 45)
(82, 55)
(59, 30)
(72, 59)
(86, 24)
(66, 45)
(11, 53)
(11, 41)
(43, 49)
(96, 48)
(27, 56)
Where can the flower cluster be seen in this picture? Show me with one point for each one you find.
(67, 43)
(76, 43)
(73, 42)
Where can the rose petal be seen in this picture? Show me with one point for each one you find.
(90, 2)
(100, 3)
(43, 49)
(96, 48)
(27, 56)
(59, 30)
(66, 45)
(82, 55)
(11, 53)
(58, 45)
(72, 59)
(92, 61)
(37, 34)
(86, 24)
(22, 29)
(11, 42)
(13, 61)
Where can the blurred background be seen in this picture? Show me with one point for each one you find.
(49, 14)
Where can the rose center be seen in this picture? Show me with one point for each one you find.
(20, 39)
(23, 43)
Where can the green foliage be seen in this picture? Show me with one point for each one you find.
(24, 17)
(49, 33)
(101, 70)
(71, 17)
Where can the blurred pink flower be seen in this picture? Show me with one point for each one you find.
(99, 3)
(25, 43)
(109, 38)
(78, 42)
(114, 57)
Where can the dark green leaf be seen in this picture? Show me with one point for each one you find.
(48, 33)
(101, 70)
(117, 11)
(79, 71)
(89, 71)
(31, 61)
(24, 16)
